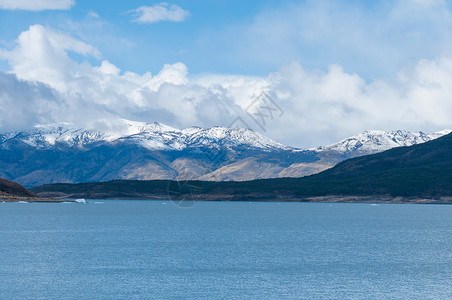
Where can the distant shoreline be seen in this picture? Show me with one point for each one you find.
(377, 199)
(10, 199)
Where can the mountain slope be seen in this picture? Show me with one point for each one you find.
(11, 189)
(375, 141)
(421, 172)
(147, 151)
(136, 151)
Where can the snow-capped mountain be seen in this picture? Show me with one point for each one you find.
(153, 136)
(135, 150)
(50, 137)
(196, 137)
(374, 141)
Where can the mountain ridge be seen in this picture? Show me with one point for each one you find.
(420, 173)
(136, 150)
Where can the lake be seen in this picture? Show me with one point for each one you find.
(111, 249)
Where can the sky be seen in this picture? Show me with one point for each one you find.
(305, 73)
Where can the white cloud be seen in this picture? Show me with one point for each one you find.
(93, 14)
(160, 12)
(319, 106)
(41, 55)
(36, 5)
(108, 68)
(22, 102)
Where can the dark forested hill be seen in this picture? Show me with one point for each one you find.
(419, 170)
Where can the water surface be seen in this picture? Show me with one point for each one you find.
(226, 250)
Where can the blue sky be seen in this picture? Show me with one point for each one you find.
(231, 37)
(335, 67)
(144, 47)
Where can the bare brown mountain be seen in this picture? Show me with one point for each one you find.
(154, 151)
(12, 189)
(415, 174)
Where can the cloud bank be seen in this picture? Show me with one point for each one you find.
(160, 12)
(46, 85)
(36, 5)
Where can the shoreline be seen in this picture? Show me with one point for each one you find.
(375, 199)
(13, 199)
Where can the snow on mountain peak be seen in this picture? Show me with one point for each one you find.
(440, 133)
(124, 128)
(373, 141)
(153, 136)
(50, 135)
(231, 137)
(158, 136)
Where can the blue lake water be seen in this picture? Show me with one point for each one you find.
(225, 250)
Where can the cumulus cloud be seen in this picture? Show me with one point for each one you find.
(36, 5)
(41, 55)
(25, 104)
(21, 102)
(320, 107)
(160, 12)
(327, 105)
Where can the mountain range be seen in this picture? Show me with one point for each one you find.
(148, 151)
(420, 173)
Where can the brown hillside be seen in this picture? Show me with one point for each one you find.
(11, 188)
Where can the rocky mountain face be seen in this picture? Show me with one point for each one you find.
(146, 151)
